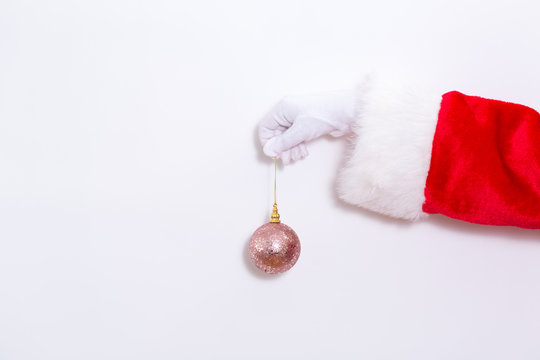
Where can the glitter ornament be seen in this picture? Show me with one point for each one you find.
(274, 247)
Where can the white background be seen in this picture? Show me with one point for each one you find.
(131, 180)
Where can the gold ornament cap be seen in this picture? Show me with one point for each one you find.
(274, 217)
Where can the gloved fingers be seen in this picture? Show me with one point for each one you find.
(295, 153)
(299, 152)
(266, 134)
(296, 134)
(303, 150)
(274, 123)
(286, 157)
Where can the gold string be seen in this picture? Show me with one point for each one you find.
(275, 175)
(274, 217)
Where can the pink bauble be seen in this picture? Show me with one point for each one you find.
(274, 248)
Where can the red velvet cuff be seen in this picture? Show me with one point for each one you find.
(485, 163)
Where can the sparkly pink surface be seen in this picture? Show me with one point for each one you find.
(274, 248)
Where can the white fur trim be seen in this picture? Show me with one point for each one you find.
(387, 169)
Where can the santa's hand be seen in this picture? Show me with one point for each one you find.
(296, 120)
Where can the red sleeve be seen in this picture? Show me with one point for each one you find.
(485, 162)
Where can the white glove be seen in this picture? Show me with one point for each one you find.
(295, 120)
